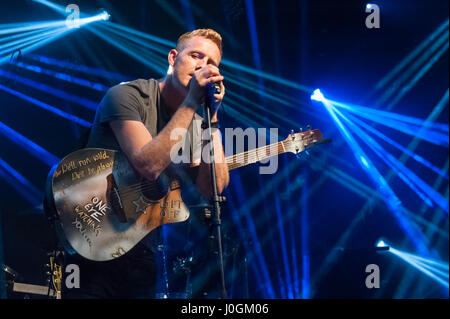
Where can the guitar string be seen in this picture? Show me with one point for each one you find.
(231, 164)
(252, 157)
(233, 161)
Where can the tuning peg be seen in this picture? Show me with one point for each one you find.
(308, 127)
(301, 129)
(292, 131)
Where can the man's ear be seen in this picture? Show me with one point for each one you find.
(172, 56)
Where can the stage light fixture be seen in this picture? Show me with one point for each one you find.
(381, 243)
(104, 15)
(317, 96)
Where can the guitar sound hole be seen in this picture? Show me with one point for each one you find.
(155, 190)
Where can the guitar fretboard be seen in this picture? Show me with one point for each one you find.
(255, 155)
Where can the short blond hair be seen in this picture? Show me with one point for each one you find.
(206, 33)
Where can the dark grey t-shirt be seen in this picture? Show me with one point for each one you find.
(138, 100)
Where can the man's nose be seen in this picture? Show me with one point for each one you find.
(201, 63)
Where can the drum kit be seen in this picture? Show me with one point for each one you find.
(179, 267)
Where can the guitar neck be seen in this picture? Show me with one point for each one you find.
(255, 155)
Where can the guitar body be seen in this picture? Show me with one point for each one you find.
(105, 208)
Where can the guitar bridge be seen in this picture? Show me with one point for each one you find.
(115, 200)
(174, 185)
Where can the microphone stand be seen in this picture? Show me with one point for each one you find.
(215, 216)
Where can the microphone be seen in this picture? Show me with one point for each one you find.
(217, 88)
(212, 88)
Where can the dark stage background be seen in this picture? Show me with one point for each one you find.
(307, 231)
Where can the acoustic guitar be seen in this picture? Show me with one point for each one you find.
(104, 208)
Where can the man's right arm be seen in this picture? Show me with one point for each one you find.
(150, 156)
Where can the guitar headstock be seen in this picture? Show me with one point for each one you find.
(298, 142)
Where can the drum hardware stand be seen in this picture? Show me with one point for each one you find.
(184, 265)
(54, 273)
(25, 288)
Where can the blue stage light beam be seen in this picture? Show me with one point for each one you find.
(429, 261)
(431, 227)
(20, 35)
(33, 148)
(431, 54)
(63, 76)
(249, 85)
(406, 88)
(429, 135)
(124, 36)
(188, 17)
(305, 240)
(58, 8)
(36, 42)
(405, 150)
(45, 106)
(410, 57)
(366, 193)
(295, 268)
(79, 68)
(392, 201)
(287, 271)
(140, 57)
(29, 26)
(225, 62)
(400, 118)
(24, 45)
(231, 96)
(255, 200)
(104, 15)
(425, 265)
(89, 104)
(22, 185)
(138, 45)
(130, 32)
(437, 137)
(244, 240)
(265, 75)
(402, 85)
(34, 46)
(253, 33)
(262, 271)
(12, 45)
(141, 35)
(402, 171)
